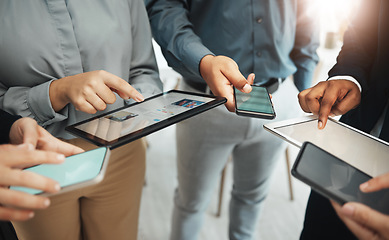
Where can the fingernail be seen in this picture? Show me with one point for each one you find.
(60, 157)
(31, 215)
(57, 187)
(246, 88)
(320, 124)
(46, 203)
(364, 186)
(348, 209)
(139, 98)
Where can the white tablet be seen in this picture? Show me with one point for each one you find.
(363, 151)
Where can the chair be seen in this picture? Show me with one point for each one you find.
(221, 188)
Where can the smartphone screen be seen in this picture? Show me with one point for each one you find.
(335, 178)
(76, 169)
(257, 103)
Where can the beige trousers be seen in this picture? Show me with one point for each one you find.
(108, 210)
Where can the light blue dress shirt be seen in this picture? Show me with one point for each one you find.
(271, 38)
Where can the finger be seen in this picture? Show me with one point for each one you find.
(30, 133)
(350, 100)
(19, 199)
(84, 106)
(328, 100)
(376, 183)
(236, 78)
(18, 157)
(50, 143)
(106, 94)
(251, 78)
(366, 216)
(301, 98)
(97, 103)
(26, 178)
(313, 99)
(10, 214)
(358, 229)
(123, 88)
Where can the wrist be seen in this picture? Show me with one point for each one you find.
(205, 63)
(57, 96)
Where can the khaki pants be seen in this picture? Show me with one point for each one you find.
(108, 210)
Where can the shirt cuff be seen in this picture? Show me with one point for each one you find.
(40, 104)
(349, 78)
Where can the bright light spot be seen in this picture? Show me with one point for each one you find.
(335, 14)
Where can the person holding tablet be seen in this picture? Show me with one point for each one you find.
(216, 45)
(31, 145)
(94, 56)
(358, 89)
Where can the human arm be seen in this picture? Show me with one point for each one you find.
(144, 75)
(186, 53)
(354, 60)
(307, 40)
(363, 221)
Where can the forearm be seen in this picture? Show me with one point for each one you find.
(173, 31)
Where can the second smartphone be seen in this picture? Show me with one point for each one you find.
(336, 179)
(257, 103)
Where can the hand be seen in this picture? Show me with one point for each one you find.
(17, 205)
(26, 130)
(91, 91)
(363, 221)
(330, 98)
(220, 73)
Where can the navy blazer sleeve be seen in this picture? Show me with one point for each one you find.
(6, 121)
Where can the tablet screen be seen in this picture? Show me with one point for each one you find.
(137, 120)
(356, 148)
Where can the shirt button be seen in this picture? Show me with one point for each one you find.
(259, 20)
(259, 54)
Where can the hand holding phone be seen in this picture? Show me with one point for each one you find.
(75, 172)
(336, 179)
(257, 103)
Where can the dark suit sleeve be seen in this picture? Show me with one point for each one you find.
(6, 121)
(360, 45)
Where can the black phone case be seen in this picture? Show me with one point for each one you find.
(313, 185)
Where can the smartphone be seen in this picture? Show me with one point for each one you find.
(335, 179)
(257, 103)
(77, 171)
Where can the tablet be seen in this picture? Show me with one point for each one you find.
(363, 151)
(77, 171)
(137, 120)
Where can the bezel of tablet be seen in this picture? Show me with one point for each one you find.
(214, 102)
(362, 150)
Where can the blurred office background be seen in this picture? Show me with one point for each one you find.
(282, 217)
